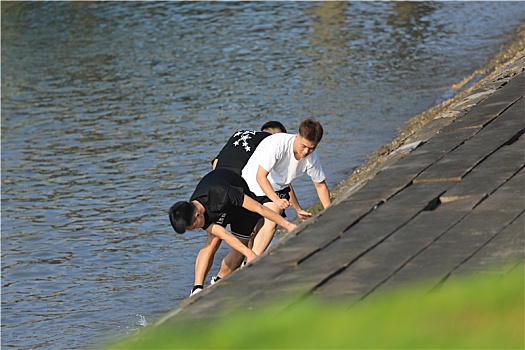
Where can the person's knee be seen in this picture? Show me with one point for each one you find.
(235, 261)
(234, 256)
(212, 243)
(209, 249)
(231, 262)
(257, 227)
(269, 225)
(272, 206)
(215, 243)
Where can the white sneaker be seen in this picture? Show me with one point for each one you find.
(195, 290)
(214, 280)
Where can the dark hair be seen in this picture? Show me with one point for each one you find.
(273, 124)
(181, 215)
(311, 130)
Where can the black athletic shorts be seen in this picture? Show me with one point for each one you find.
(243, 222)
(283, 194)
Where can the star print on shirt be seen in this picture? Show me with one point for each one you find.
(244, 136)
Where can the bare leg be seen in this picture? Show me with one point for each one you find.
(254, 233)
(231, 261)
(204, 259)
(265, 234)
(257, 228)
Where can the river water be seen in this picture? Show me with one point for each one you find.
(112, 111)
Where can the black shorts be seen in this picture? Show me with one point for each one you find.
(243, 222)
(283, 194)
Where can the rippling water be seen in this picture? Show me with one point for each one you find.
(112, 111)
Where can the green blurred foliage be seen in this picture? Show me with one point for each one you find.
(481, 312)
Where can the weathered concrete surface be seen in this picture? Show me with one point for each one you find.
(452, 202)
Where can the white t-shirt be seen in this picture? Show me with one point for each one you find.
(275, 155)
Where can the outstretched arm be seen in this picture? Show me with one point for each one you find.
(302, 214)
(252, 205)
(220, 232)
(323, 193)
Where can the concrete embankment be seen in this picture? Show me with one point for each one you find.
(447, 200)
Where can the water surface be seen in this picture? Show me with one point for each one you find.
(112, 111)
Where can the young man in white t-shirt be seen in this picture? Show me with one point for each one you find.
(278, 160)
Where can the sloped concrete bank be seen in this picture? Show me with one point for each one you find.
(444, 198)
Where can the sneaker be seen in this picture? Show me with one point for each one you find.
(214, 280)
(195, 290)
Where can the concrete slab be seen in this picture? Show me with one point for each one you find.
(336, 219)
(457, 245)
(461, 160)
(498, 101)
(384, 185)
(490, 173)
(499, 255)
(382, 261)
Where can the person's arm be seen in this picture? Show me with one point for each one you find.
(221, 233)
(323, 193)
(267, 188)
(302, 214)
(252, 205)
(214, 163)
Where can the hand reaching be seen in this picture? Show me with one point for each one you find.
(303, 214)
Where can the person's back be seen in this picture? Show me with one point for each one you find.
(220, 191)
(241, 146)
(239, 149)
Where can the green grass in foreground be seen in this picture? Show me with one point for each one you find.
(472, 313)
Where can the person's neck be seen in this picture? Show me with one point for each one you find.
(199, 206)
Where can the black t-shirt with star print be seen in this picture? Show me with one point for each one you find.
(239, 148)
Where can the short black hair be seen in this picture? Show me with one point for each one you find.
(181, 215)
(311, 130)
(273, 124)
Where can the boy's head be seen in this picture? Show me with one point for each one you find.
(311, 130)
(273, 127)
(309, 136)
(182, 216)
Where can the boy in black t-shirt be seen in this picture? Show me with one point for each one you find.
(241, 145)
(222, 197)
